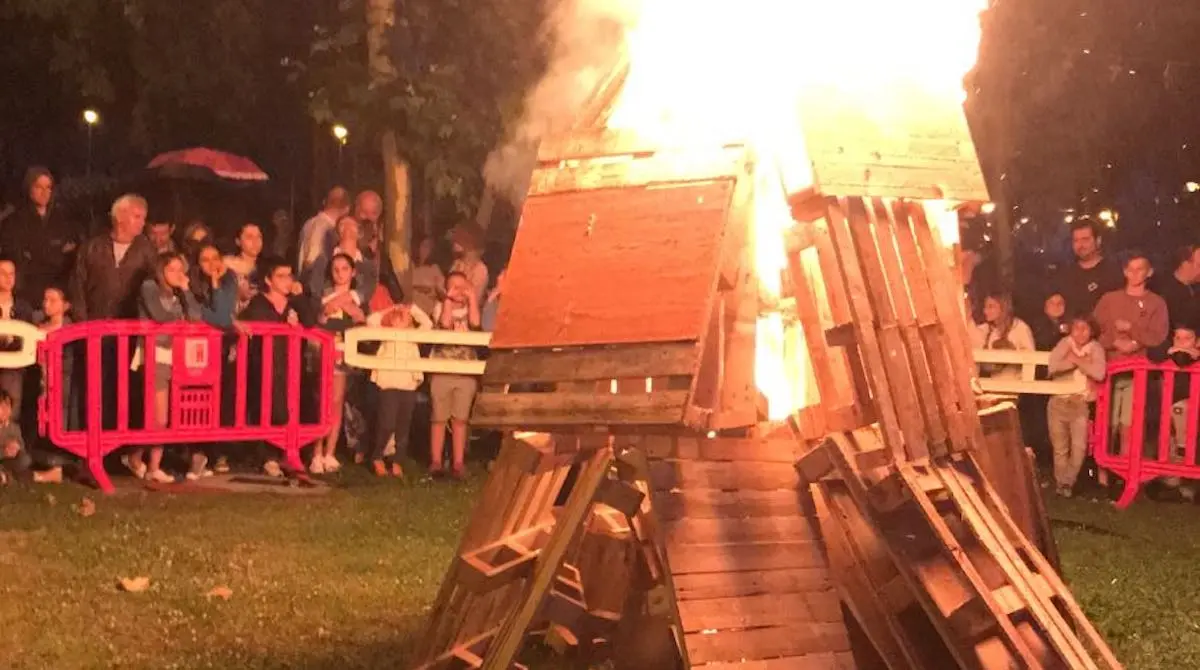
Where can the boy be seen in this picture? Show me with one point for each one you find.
(1183, 352)
(275, 304)
(15, 461)
(453, 394)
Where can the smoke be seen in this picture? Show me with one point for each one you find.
(586, 38)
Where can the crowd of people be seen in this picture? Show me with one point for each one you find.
(340, 278)
(1096, 311)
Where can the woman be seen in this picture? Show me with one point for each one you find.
(427, 278)
(366, 271)
(1002, 331)
(1053, 324)
(195, 234)
(467, 241)
(340, 309)
(214, 287)
(244, 264)
(166, 298)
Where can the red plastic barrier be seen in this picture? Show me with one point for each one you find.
(195, 388)
(1128, 458)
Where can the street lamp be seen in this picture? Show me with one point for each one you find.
(1192, 187)
(90, 117)
(340, 133)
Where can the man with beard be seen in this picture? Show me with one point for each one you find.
(39, 240)
(368, 207)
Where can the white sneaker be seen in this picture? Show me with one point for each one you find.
(272, 469)
(138, 468)
(193, 476)
(160, 477)
(317, 466)
(332, 464)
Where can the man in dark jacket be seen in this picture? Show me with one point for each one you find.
(112, 266)
(38, 239)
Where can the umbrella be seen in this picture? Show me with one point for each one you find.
(187, 162)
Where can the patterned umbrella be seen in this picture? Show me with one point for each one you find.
(186, 162)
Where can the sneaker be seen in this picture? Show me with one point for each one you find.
(332, 464)
(52, 476)
(1064, 491)
(197, 475)
(222, 465)
(272, 469)
(379, 468)
(160, 477)
(397, 471)
(316, 466)
(138, 468)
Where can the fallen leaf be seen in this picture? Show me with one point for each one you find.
(222, 592)
(135, 585)
(86, 507)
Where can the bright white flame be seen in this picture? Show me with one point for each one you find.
(988, 207)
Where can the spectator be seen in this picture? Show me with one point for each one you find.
(397, 389)
(162, 236)
(980, 277)
(112, 266)
(244, 264)
(368, 207)
(1092, 274)
(1184, 353)
(15, 460)
(453, 395)
(12, 308)
(1079, 353)
(1053, 324)
(38, 238)
(52, 317)
(1131, 320)
(317, 237)
(214, 287)
(366, 270)
(341, 308)
(1178, 289)
(275, 303)
(194, 235)
(1002, 331)
(165, 298)
(491, 308)
(281, 240)
(467, 245)
(427, 278)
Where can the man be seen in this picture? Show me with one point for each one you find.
(38, 239)
(161, 234)
(112, 266)
(1179, 289)
(368, 207)
(317, 237)
(1091, 276)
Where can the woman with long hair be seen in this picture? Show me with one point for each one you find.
(341, 308)
(1001, 330)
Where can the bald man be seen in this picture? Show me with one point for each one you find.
(317, 235)
(368, 207)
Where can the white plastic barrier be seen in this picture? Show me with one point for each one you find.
(1028, 383)
(28, 335)
(367, 334)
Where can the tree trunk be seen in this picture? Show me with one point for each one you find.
(397, 231)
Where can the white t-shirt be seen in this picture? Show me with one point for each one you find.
(119, 251)
(312, 240)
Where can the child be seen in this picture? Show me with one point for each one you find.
(1183, 352)
(15, 461)
(276, 303)
(341, 308)
(453, 394)
(244, 265)
(397, 389)
(52, 317)
(1077, 353)
(12, 381)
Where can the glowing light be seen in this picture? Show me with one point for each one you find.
(988, 207)
(1106, 215)
(91, 117)
(341, 133)
(1070, 218)
(1192, 186)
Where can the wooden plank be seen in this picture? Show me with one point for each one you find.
(817, 661)
(701, 558)
(714, 504)
(639, 360)
(591, 143)
(602, 252)
(739, 584)
(768, 609)
(740, 450)
(514, 410)
(753, 529)
(738, 402)
(764, 643)
(668, 475)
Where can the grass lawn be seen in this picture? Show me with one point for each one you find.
(343, 580)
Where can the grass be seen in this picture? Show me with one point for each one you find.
(344, 580)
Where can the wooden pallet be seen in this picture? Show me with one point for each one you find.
(524, 565)
(936, 534)
(750, 577)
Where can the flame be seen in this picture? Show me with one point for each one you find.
(703, 72)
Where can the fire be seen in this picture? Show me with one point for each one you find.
(703, 72)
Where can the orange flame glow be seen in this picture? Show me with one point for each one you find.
(708, 72)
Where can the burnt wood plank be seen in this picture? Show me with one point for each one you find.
(503, 410)
(750, 582)
(625, 361)
(667, 475)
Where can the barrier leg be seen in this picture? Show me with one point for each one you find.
(1129, 493)
(291, 455)
(95, 461)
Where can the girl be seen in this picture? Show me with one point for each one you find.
(215, 289)
(244, 265)
(366, 271)
(427, 278)
(1077, 353)
(166, 298)
(195, 234)
(341, 308)
(397, 389)
(1001, 330)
